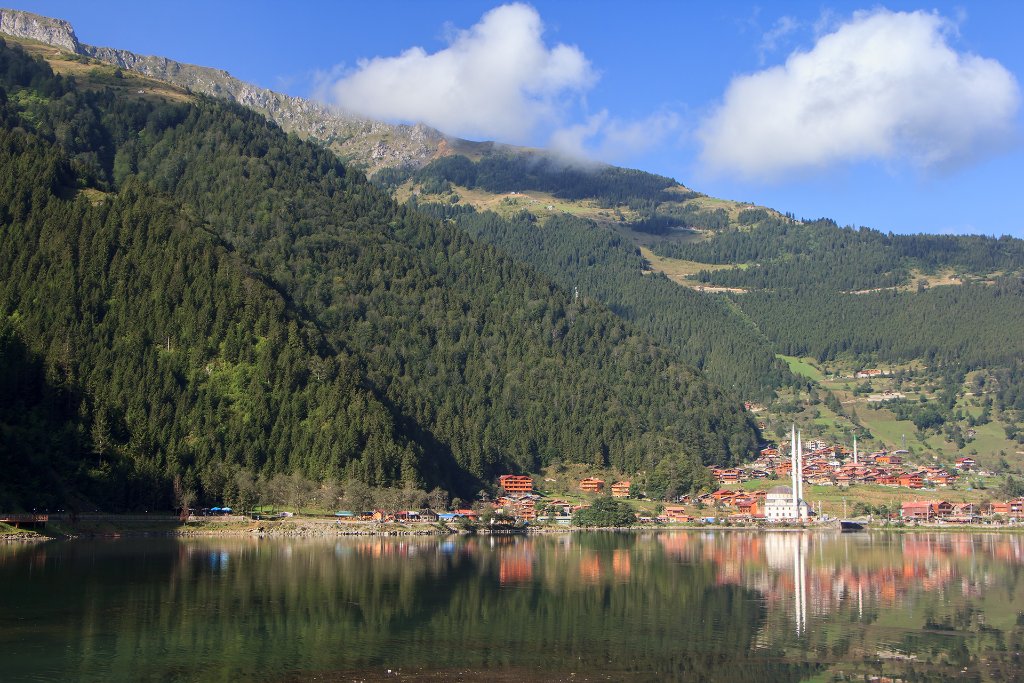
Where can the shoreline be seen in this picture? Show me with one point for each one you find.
(325, 528)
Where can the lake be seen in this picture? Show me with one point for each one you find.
(644, 606)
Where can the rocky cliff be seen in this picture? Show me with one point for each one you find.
(365, 142)
(56, 32)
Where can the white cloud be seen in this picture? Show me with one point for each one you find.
(883, 86)
(611, 139)
(496, 79)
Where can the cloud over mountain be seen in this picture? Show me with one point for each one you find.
(607, 138)
(497, 79)
(883, 86)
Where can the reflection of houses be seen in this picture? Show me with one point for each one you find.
(590, 568)
(622, 565)
(515, 567)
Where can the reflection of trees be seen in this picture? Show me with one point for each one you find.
(687, 605)
(362, 603)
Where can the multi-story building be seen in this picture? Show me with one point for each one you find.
(516, 483)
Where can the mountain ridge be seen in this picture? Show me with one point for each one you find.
(369, 143)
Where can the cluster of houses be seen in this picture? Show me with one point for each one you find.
(943, 511)
(832, 465)
(518, 499)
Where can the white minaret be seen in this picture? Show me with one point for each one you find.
(800, 474)
(793, 470)
(854, 449)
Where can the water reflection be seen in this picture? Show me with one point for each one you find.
(782, 606)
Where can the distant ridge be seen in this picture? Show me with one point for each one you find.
(365, 142)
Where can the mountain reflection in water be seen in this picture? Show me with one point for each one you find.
(687, 605)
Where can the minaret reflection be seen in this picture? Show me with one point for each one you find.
(787, 552)
(800, 583)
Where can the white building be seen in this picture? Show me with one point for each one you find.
(787, 502)
(778, 504)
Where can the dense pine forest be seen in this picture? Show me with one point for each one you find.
(598, 262)
(779, 252)
(844, 297)
(191, 299)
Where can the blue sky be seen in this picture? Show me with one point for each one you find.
(902, 116)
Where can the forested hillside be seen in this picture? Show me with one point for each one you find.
(600, 263)
(186, 292)
(779, 252)
(947, 305)
(819, 290)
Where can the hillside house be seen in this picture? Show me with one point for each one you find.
(620, 489)
(911, 480)
(927, 510)
(516, 483)
(675, 514)
(728, 476)
(747, 506)
(919, 510)
(592, 485)
(1010, 507)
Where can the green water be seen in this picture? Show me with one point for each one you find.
(686, 606)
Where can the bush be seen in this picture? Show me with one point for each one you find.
(605, 512)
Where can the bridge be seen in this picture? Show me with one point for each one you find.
(20, 519)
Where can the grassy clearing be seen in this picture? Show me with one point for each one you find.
(804, 367)
(678, 270)
(540, 204)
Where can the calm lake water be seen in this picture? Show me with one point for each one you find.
(686, 606)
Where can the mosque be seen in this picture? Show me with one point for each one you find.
(787, 502)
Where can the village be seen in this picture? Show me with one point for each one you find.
(755, 493)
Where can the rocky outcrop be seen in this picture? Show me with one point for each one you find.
(365, 142)
(56, 32)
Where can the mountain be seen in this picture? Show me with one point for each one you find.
(189, 293)
(709, 334)
(364, 142)
(755, 283)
